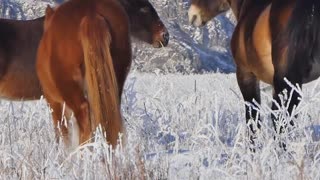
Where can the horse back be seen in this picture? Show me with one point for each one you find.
(76, 11)
(17, 33)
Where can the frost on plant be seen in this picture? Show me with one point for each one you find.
(179, 125)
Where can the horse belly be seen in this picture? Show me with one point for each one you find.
(314, 72)
(262, 66)
(20, 82)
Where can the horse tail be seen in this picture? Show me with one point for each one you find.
(304, 31)
(100, 77)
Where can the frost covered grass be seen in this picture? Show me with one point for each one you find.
(178, 127)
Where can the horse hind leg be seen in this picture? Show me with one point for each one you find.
(76, 104)
(284, 69)
(59, 118)
(82, 117)
(249, 87)
(75, 100)
(280, 86)
(291, 101)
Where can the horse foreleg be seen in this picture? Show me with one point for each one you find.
(249, 87)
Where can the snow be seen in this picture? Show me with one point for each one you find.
(182, 122)
(178, 127)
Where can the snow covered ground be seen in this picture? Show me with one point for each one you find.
(178, 127)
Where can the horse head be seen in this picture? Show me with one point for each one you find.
(202, 11)
(145, 22)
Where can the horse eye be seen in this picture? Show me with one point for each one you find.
(145, 9)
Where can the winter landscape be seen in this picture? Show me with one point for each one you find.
(183, 112)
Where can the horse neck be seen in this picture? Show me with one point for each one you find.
(241, 7)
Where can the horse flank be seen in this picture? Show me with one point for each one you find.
(272, 40)
(303, 34)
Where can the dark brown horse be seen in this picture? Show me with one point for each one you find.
(273, 40)
(19, 42)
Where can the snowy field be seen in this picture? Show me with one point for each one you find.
(178, 127)
(183, 121)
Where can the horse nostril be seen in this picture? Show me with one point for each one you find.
(193, 19)
(166, 36)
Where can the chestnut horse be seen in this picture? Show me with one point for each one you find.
(19, 41)
(82, 63)
(273, 40)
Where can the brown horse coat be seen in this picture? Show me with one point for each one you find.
(272, 40)
(19, 42)
(18, 46)
(89, 52)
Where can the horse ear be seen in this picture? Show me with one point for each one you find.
(224, 6)
(49, 12)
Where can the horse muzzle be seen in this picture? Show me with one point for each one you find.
(162, 39)
(194, 15)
